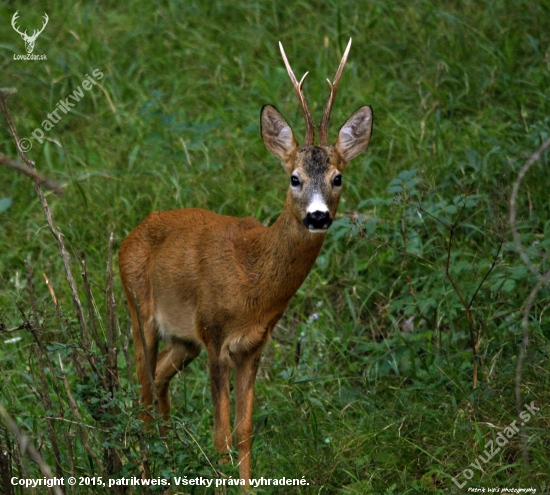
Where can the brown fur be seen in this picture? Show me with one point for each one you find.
(202, 279)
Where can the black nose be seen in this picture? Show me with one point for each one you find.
(318, 220)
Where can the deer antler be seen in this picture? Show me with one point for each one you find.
(13, 19)
(35, 32)
(310, 127)
(323, 126)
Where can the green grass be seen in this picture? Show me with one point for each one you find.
(460, 93)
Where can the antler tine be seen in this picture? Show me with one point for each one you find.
(14, 26)
(310, 127)
(323, 126)
(44, 23)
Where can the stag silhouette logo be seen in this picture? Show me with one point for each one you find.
(29, 40)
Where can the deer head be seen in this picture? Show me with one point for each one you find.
(316, 171)
(29, 40)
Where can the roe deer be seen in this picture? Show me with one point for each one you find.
(195, 278)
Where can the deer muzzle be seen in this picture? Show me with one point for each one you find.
(317, 221)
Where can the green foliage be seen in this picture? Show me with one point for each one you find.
(367, 386)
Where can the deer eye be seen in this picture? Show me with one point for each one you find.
(294, 181)
(337, 181)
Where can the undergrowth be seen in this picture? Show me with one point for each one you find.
(396, 362)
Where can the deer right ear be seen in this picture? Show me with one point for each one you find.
(277, 134)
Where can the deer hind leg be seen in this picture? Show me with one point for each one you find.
(176, 354)
(145, 357)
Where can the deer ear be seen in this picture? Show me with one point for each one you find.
(354, 136)
(277, 134)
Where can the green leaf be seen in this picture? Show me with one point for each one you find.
(5, 203)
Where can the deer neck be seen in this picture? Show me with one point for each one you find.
(288, 252)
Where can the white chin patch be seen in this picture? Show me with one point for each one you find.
(318, 231)
(317, 204)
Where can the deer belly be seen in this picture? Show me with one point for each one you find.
(178, 321)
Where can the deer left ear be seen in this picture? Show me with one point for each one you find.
(354, 136)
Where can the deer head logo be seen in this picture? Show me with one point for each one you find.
(29, 40)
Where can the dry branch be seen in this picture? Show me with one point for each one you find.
(111, 454)
(535, 157)
(6, 466)
(76, 414)
(543, 279)
(37, 176)
(91, 309)
(125, 340)
(28, 448)
(58, 236)
(111, 322)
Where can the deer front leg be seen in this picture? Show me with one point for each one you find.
(219, 383)
(245, 375)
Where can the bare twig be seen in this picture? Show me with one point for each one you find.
(37, 176)
(521, 359)
(91, 311)
(30, 290)
(418, 206)
(450, 278)
(52, 291)
(65, 420)
(502, 315)
(58, 236)
(481, 324)
(76, 414)
(475, 332)
(186, 152)
(525, 341)
(535, 157)
(111, 453)
(111, 322)
(44, 395)
(198, 445)
(6, 466)
(542, 280)
(384, 242)
(24, 325)
(28, 448)
(125, 338)
(70, 439)
(491, 268)
(452, 229)
(43, 363)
